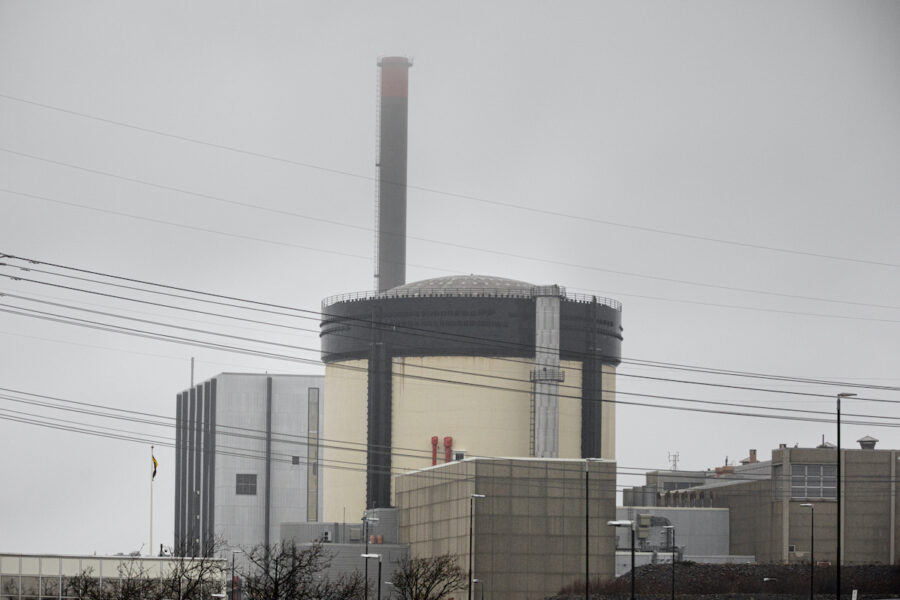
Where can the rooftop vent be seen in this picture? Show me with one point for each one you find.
(867, 442)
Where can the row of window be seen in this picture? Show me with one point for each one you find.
(807, 481)
(32, 586)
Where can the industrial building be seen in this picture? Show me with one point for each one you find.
(456, 366)
(527, 520)
(506, 368)
(48, 576)
(247, 459)
(772, 505)
(376, 533)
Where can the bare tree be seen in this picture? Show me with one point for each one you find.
(193, 577)
(84, 586)
(430, 578)
(184, 578)
(290, 572)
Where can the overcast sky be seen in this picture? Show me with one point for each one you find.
(759, 123)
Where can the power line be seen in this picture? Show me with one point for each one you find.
(296, 312)
(517, 361)
(540, 211)
(259, 454)
(93, 324)
(560, 483)
(367, 258)
(431, 333)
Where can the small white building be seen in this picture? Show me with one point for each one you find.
(247, 459)
(47, 576)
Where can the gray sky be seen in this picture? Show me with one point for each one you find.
(764, 123)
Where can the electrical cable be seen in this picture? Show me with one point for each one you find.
(543, 212)
(627, 360)
(647, 377)
(367, 258)
(93, 324)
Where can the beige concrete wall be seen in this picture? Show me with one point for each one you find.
(867, 507)
(754, 519)
(529, 530)
(485, 407)
(344, 441)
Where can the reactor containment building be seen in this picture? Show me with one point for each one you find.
(462, 366)
(441, 369)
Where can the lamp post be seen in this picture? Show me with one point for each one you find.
(366, 520)
(812, 546)
(837, 571)
(477, 582)
(233, 552)
(471, 520)
(629, 524)
(587, 529)
(674, 550)
(367, 556)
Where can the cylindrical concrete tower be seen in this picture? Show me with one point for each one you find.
(490, 366)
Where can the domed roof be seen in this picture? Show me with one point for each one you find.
(464, 283)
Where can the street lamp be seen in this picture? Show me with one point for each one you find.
(837, 571)
(366, 520)
(674, 550)
(233, 552)
(477, 582)
(367, 556)
(471, 514)
(629, 524)
(812, 546)
(587, 528)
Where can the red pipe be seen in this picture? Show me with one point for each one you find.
(448, 448)
(434, 445)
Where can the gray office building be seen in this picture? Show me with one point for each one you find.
(247, 459)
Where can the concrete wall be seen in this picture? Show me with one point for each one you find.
(344, 452)
(698, 531)
(529, 530)
(240, 429)
(346, 559)
(754, 519)
(482, 419)
(869, 502)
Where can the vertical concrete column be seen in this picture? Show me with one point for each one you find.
(179, 471)
(547, 374)
(893, 544)
(786, 473)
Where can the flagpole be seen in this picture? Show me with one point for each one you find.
(151, 501)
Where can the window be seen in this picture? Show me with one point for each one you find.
(245, 485)
(312, 455)
(813, 481)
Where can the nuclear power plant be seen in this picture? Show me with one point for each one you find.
(459, 366)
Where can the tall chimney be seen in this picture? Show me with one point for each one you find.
(390, 259)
